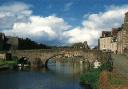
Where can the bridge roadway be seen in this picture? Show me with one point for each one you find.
(43, 55)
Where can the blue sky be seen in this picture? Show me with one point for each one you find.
(60, 22)
(71, 10)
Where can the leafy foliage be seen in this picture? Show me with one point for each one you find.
(28, 44)
(91, 77)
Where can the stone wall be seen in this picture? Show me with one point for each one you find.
(120, 43)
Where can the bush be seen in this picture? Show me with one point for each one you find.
(91, 77)
(106, 66)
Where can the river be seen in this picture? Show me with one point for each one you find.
(57, 76)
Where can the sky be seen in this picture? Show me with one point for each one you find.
(61, 22)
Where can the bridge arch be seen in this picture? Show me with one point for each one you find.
(84, 60)
(46, 55)
(47, 60)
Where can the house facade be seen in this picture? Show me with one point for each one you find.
(108, 42)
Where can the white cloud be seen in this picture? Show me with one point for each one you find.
(15, 8)
(13, 12)
(17, 20)
(95, 23)
(40, 28)
(81, 34)
(68, 6)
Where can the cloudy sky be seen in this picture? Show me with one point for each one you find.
(61, 22)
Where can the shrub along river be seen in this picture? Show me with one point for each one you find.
(57, 76)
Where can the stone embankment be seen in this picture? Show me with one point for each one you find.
(121, 64)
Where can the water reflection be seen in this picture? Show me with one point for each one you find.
(68, 68)
(57, 76)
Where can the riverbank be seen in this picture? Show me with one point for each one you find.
(92, 76)
(7, 64)
(112, 80)
(106, 79)
(95, 79)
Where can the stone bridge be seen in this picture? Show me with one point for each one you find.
(43, 55)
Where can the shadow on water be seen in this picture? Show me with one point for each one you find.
(86, 86)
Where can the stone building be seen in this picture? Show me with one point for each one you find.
(81, 45)
(8, 42)
(117, 41)
(125, 32)
(108, 41)
(114, 47)
(105, 43)
(5, 56)
(2, 56)
(123, 36)
(13, 42)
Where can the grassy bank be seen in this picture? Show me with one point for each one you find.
(2, 62)
(7, 64)
(92, 76)
(103, 79)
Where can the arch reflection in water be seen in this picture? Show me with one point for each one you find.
(67, 67)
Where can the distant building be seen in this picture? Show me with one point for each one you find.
(81, 45)
(5, 56)
(8, 42)
(13, 42)
(2, 56)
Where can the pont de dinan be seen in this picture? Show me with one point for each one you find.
(63, 44)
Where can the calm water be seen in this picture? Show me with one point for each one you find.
(59, 76)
